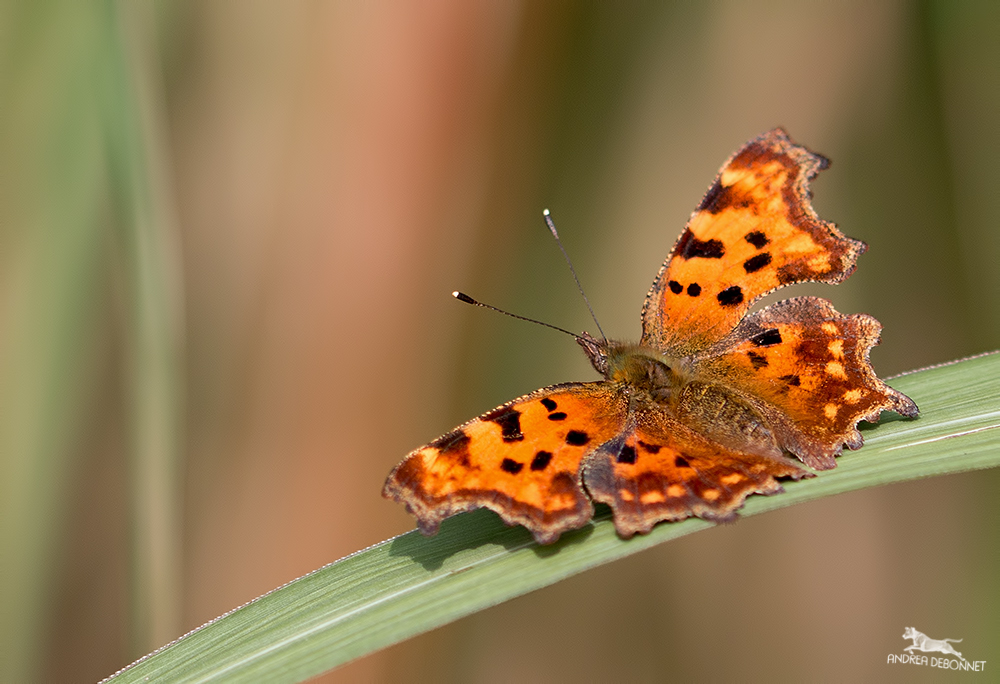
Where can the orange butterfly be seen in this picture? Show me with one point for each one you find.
(701, 412)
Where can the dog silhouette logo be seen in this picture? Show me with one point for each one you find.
(922, 642)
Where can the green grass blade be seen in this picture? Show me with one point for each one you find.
(408, 585)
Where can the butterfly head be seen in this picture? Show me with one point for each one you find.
(596, 350)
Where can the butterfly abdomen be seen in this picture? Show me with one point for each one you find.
(724, 418)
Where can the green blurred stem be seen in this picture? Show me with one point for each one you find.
(152, 286)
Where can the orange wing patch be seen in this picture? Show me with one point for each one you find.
(805, 368)
(755, 231)
(521, 460)
(661, 470)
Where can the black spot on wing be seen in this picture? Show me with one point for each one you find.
(511, 466)
(731, 296)
(627, 454)
(715, 199)
(689, 247)
(757, 262)
(675, 287)
(758, 360)
(549, 404)
(558, 415)
(455, 440)
(541, 460)
(766, 338)
(454, 445)
(694, 289)
(756, 238)
(577, 438)
(792, 380)
(651, 448)
(681, 462)
(509, 420)
(720, 197)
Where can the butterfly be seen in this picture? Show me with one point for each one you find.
(707, 408)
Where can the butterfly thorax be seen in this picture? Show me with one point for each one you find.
(638, 366)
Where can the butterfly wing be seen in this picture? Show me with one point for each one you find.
(522, 460)
(805, 368)
(659, 470)
(755, 231)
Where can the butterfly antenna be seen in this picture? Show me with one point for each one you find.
(462, 297)
(569, 262)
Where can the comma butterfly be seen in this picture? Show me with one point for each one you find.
(703, 410)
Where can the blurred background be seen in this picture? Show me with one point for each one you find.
(228, 234)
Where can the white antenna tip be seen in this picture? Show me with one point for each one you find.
(545, 212)
(456, 294)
